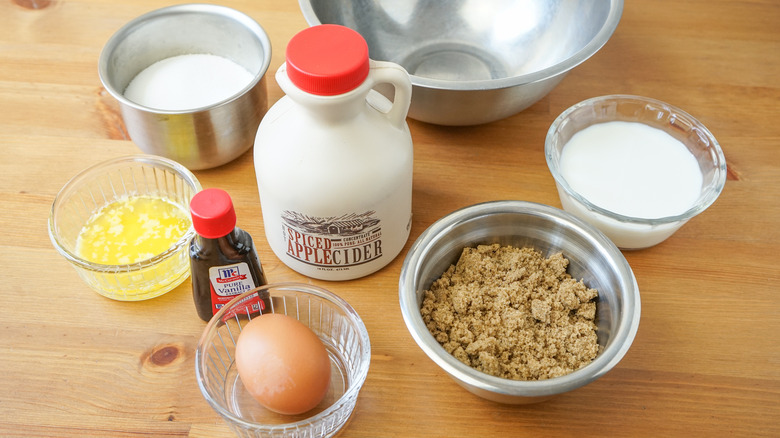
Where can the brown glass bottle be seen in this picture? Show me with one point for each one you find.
(223, 258)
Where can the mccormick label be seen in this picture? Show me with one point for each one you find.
(228, 281)
(332, 243)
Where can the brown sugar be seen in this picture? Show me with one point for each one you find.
(510, 312)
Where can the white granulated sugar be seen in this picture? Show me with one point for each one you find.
(187, 82)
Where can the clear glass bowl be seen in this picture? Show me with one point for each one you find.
(625, 231)
(333, 320)
(103, 184)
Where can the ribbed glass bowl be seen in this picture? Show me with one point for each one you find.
(331, 318)
(104, 183)
(625, 231)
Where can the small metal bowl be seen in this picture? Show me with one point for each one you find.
(475, 62)
(198, 138)
(592, 258)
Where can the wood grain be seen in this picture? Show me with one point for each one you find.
(706, 359)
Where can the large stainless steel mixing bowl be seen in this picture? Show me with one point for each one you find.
(475, 61)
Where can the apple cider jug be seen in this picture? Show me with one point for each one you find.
(333, 158)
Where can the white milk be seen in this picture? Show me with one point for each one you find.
(634, 170)
(187, 82)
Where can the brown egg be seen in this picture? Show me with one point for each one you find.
(283, 364)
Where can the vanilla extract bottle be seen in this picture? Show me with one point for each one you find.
(223, 258)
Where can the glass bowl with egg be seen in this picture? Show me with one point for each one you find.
(636, 168)
(252, 375)
(124, 225)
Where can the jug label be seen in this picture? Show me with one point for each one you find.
(333, 242)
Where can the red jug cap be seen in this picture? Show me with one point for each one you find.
(327, 59)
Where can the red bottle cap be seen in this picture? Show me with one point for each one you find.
(212, 213)
(327, 59)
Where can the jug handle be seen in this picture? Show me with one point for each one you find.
(382, 72)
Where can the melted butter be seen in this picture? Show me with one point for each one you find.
(131, 229)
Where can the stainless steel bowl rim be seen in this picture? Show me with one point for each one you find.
(699, 207)
(151, 160)
(606, 359)
(355, 386)
(582, 55)
(224, 11)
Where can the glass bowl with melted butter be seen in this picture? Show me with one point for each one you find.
(124, 225)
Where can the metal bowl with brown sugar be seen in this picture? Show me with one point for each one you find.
(592, 258)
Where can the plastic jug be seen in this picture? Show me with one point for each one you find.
(333, 158)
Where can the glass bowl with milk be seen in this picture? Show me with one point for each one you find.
(636, 168)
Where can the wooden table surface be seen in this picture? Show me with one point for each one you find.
(705, 361)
